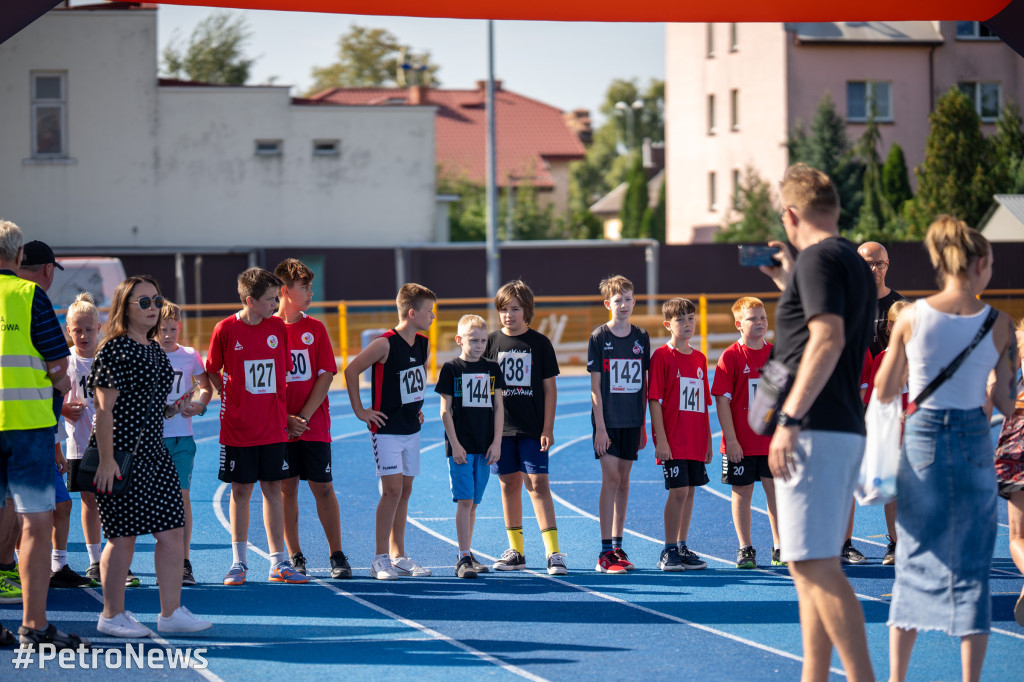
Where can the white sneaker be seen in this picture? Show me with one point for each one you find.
(182, 620)
(381, 568)
(406, 566)
(123, 624)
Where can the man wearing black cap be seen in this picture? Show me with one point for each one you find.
(38, 262)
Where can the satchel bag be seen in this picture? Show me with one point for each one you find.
(772, 389)
(91, 461)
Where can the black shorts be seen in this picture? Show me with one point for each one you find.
(623, 443)
(73, 465)
(310, 460)
(683, 473)
(747, 471)
(253, 463)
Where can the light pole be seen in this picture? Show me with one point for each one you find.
(630, 110)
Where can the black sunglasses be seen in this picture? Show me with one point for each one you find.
(145, 301)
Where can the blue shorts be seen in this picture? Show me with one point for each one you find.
(519, 453)
(59, 488)
(470, 479)
(26, 469)
(182, 450)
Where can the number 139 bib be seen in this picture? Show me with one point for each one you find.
(691, 395)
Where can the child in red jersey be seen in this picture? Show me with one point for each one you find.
(678, 399)
(398, 386)
(744, 453)
(248, 363)
(309, 417)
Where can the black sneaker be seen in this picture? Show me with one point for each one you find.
(464, 569)
(777, 558)
(746, 557)
(890, 553)
(850, 555)
(477, 566)
(511, 560)
(299, 562)
(66, 577)
(93, 572)
(339, 565)
(131, 580)
(186, 574)
(31, 639)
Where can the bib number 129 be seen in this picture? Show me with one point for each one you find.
(412, 381)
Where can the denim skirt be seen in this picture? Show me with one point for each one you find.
(945, 523)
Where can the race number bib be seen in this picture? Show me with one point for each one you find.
(625, 375)
(300, 366)
(476, 390)
(751, 390)
(411, 383)
(691, 395)
(260, 377)
(516, 365)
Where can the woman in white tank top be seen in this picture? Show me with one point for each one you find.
(946, 483)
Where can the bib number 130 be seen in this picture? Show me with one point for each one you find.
(691, 395)
(260, 377)
(411, 383)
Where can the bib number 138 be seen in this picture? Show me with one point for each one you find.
(691, 395)
(260, 377)
(411, 383)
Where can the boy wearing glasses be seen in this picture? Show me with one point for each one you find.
(248, 362)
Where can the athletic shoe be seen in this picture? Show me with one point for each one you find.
(477, 566)
(890, 553)
(236, 574)
(131, 580)
(406, 566)
(10, 593)
(123, 624)
(182, 620)
(464, 569)
(624, 559)
(746, 557)
(186, 574)
(12, 576)
(777, 558)
(299, 562)
(670, 560)
(691, 562)
(339, 565)
(556, 564)
(510, 560)
(608, 562)
(850, 555)
(32, 639)
(284, 572)
(381, 568)
(93, 572)
(66, 577)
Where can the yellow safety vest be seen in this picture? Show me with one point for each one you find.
(26, 394)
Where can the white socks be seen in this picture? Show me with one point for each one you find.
(238, 552)
(95, 552)
(58, 559)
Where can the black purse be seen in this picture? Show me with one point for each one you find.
(91, 461)
(772, 389)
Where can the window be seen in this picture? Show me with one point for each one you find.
(269, 148)
(986, 98)
(712, 192)
(711, 40)
(49, 115)
(968, 30)
(326, 148)
(735, 190)
(734, 37)
(711, 114)
(863, 97)
(734, 109)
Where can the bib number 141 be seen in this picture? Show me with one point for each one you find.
(691, 395)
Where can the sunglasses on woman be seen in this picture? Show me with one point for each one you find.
(145, 301)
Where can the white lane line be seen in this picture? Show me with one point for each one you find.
(508, 667)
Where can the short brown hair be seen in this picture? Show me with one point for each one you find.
(170, 311)
(677, 307)
(614, 285)
(411, 296)
(516, 289)
(292, 270)
(255, 282)
(745, 303)
(809, 191)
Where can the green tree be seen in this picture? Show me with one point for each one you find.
(373, 57)
(953, 178)
(636, 202)
(1008, 151)
(655, 219)
(756, 213)
(895, 180)
(877, 219)
(214, 53)
(826, 147)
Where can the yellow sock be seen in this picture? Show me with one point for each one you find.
(515, 539)
(550, 536)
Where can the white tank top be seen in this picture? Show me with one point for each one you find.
(937, 338)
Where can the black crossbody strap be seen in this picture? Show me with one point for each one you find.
(951, 369)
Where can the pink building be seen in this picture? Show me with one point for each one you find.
(735, 91)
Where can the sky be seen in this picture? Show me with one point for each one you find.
(565, 64)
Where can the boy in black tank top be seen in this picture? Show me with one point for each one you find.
(398, 386)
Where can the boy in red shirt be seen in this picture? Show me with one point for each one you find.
(309, 417)
(250, 348)
(678, 399)
(744, 453)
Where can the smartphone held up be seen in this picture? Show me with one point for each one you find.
(758, 255)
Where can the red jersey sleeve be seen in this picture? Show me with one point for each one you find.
(325, 352)
(866, 373)
(215, 356)
(657, 376)
(724, 381)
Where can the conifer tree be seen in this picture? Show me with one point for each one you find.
(635, 202)
(895, 180)
(756, 216)
(1008, 151)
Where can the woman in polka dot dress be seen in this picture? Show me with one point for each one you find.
(131, 379)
